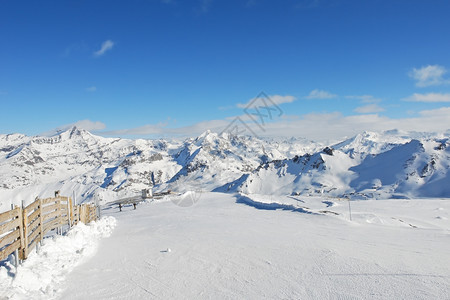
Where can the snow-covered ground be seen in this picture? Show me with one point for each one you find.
(257, 246)
(42, 274)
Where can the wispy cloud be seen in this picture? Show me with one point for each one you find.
(275, 99)
(430, 97)
(371, 104)
(369, 109)
(162, 129)
(320, 94)
(82, 124)
(365, 98)
(319, 127)
(91, 89)
(106, 46)
(430, 75)
(89, 125)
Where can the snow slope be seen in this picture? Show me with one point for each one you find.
(257, 246)
(43, 273)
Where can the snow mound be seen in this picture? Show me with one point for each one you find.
(41, 274)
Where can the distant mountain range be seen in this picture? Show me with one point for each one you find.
(383, 165)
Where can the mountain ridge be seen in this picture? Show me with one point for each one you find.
(368, 165)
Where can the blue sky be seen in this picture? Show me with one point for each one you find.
(170, 67)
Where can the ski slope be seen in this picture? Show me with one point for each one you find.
(253, 247)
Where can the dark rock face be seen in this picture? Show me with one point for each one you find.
(328, 150)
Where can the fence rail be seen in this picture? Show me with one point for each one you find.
(22, 228)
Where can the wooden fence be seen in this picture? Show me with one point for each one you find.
(23, 227)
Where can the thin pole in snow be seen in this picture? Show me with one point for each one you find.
(349, 209)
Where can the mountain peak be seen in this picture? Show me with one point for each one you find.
(72, 132)
(207, 137)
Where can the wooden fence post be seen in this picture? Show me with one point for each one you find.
(16, 252)
(81, 212)
(41, 221)
(22, 232)
(59, 217)
(25, 233)
(69, 211)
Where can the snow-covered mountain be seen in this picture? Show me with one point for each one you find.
(379, 165)
(369, 165)
(79, 163)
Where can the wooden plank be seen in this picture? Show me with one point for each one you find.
(10, 249)
(4, 228)
(9, 238)
(51, 225)
(59, 223)
(33, 236)
(63, 201)
(34, 215)
(50, 215)
(92, 216)
(49, 208)
(48, 200)
(33, 226)
(31, 247)
(32, 206)
(64, 219)
(6, 216)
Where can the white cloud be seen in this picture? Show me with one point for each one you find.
(430, 97)
(91, 89)
(106, 46)
(368, 109)
(82, 124)
(365, 98)
(89, 125)
(429, 76)
(275, 99)
(319, 127)
(320, 94)
(161, 129)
